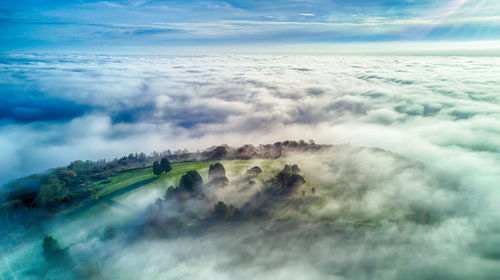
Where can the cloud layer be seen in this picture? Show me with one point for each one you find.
(440, 110)
(374, 214)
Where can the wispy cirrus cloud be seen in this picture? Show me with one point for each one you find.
(104, 23)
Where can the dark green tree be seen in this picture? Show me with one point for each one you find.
(286, 181)
(53, 252)
(217, 153)
(221, 209)
(191, 181)
(157, 168)
(165, 165)
(254, 171)
(216, 171)
(171, 192)
(50, 193)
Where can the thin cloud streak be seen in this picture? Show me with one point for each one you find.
(97, 24)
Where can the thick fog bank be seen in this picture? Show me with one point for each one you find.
(443, 111)
(373, 215)
(428, 212)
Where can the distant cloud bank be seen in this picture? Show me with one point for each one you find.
(440, 110)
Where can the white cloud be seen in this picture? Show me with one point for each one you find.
(433, 109)
(440, 111)
(374, 213)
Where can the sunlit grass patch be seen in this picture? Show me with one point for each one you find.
(125, 179)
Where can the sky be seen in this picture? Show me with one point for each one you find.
(64, 92)
(84, 25)
(87, 80)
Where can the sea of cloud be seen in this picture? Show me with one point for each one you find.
(374, 215)
(443, 112)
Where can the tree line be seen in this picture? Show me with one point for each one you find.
(161, 166)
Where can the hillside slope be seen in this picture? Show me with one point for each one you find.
(344, 212)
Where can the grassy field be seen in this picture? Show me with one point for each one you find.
(129, 188)
(233, 169)
(129, 178)
(125, 179)
(269, 166)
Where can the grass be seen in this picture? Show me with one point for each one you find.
(179, 169)
(135, 181)
(127, 179)
(233, 169)
(269, 166)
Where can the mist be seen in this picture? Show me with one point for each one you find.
(373, 214)
(409, 189)
(431, 109)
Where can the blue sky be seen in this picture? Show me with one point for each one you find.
(34, 24)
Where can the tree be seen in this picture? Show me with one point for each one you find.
(157, 168)
(24, 190)
(218, 153)
(65, 175)
(295, 181)
(217, 175)
(254, 171)
(286, 181)
(171, 192)
(216, 171)
(53, 252)
(50, 193)
(165, 165)
(141, 156)
(191, 181)
(221, 209)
